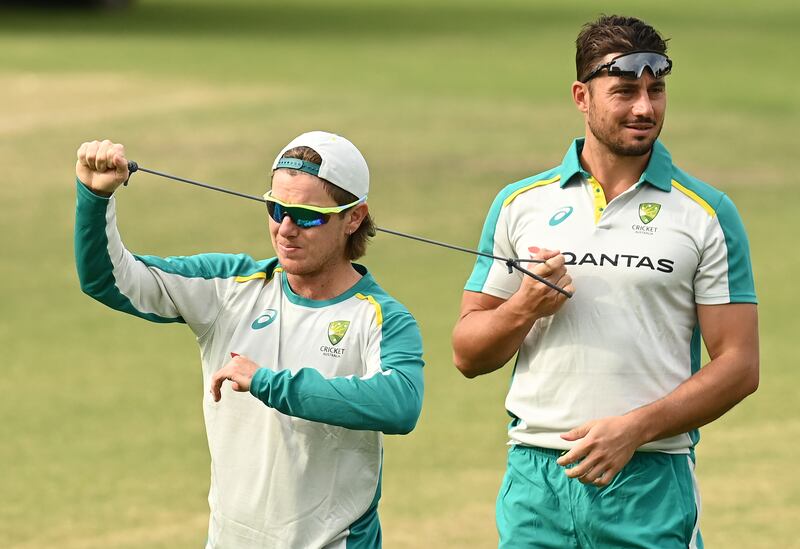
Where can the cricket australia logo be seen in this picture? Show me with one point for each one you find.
(648, 211)
(336, 330)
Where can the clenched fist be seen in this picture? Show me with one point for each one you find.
(102, 166)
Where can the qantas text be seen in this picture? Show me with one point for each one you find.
(620, 260)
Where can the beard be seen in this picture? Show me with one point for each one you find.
(610, 135)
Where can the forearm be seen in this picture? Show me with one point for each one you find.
(485, 340)
(389, 401)
(701, 399)
(107, 271)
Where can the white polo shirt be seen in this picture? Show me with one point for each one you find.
(640, 264)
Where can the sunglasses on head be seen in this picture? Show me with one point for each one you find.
(633, 64)
(302, 215)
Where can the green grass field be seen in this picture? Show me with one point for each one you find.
(103, 444)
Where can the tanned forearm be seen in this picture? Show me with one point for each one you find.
(485, 340)
(731, 335)
(490, 329)
(706, 396)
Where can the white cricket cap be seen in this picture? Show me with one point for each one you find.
(342, 163)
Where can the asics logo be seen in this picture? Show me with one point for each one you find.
(560, 215)
(265, 319)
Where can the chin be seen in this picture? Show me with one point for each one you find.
(296, 268)
(633, 148)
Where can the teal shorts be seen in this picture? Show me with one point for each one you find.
(651, 503)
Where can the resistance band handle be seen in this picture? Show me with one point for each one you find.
(133, 167)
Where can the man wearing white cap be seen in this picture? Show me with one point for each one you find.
(321, 360)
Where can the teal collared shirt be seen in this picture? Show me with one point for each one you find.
(658, 172)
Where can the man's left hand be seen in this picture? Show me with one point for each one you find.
(239, 371)
(605, 446)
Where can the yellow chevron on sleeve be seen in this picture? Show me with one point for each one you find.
(518, 192)
(694, 196)
(260, 274)
(253, 276)
(371, 300)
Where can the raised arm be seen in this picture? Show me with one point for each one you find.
(175, 289)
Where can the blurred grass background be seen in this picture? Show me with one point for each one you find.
(102, 440)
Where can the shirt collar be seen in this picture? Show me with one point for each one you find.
(658, 172)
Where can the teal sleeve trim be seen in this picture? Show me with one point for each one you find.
(95, 270)
(695, 353)
(389, 401)
(208, 266)
(741, 286)
(486, 245)
(483, 265)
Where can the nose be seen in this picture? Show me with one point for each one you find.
(287, 227)
(643, 106)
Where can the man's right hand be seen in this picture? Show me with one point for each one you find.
(534, 298)
(490, 329)
(102, 166)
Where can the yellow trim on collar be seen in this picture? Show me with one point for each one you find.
(693, 195)
(370, 299)
(599, 198)
(518, 192)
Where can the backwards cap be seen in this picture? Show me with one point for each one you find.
(342, 163)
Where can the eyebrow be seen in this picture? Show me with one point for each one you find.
(624, 85)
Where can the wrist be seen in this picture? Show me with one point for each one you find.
(518, 313)
(641, 424)
(96, 192)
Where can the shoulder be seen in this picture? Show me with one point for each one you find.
(387, 308)
(708, 197)
(212, 265)
(510, 192)
(723, 216)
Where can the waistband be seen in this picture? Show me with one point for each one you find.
(550, 453)
(554, 454)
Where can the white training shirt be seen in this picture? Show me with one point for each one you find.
(297, 461)
(640, 264)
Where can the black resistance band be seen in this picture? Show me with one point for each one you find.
(510, 262)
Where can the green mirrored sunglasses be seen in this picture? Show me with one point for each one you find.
(303, 215)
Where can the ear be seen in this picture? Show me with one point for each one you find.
(581, 96)
(354, 217)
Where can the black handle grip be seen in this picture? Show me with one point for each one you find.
(132, 168)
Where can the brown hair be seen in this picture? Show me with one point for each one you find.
(357, 242)
(613, 34)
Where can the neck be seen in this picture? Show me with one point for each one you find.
(615, 173)
(331, 282)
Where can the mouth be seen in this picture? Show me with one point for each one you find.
(288, 248)
(641, 126)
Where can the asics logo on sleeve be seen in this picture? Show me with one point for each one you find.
(265, 319)
(560, 215)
